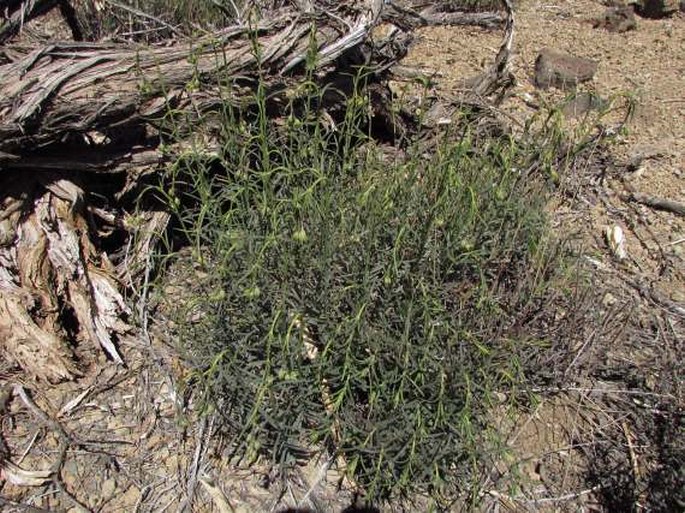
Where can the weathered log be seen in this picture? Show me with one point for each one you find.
(80, 87)
(55, 284)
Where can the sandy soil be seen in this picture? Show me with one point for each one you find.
(646, 64)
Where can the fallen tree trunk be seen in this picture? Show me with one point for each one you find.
(77, 88)
(70, 111)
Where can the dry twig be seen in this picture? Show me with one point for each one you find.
(64, 442)
(675, 207)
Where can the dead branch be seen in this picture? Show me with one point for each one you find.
(65, 442)
(499, 76)
(408, 17)
(675, 207)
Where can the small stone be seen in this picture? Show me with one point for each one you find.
(617, 19)
(609, 300)
(562, 70)
(657, 8)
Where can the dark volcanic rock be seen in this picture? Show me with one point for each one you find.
(657, 8)
(562, 70)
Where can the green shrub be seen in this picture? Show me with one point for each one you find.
(361, 301)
